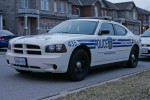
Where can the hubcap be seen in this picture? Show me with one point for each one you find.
(133, 58)
(78, 64)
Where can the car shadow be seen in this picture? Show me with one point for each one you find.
(52, 77)
(43, 77)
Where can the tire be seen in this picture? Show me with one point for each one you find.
(23, 72)
(78, 65)
(133, 58)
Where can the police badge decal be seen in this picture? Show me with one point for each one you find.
(109, 39)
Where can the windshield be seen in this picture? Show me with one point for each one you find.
(146, 33)
(76, 27)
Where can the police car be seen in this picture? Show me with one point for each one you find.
(73, 47)
(145, 41)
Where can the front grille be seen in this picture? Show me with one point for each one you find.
(34, 52)
(18, 46)
(18, 51)
(32, 47)
(29, 49)
(35, 67)
(21, 66)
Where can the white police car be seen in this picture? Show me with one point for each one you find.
(73, 47)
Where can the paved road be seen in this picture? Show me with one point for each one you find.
(14, 86)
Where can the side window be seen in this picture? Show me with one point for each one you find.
(107, 26)
(119, 30)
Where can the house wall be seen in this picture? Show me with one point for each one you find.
(113, 13)
(16, 22)
(9, 16)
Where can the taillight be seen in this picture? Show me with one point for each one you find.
(3, 38)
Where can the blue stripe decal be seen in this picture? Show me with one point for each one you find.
(92, 47)
(117, 43)
(87, 43)
(106, 43)
(122, 45)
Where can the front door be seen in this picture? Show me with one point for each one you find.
(104, 45)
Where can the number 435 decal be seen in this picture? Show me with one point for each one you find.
(72, 43)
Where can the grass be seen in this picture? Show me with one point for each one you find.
(136, 87)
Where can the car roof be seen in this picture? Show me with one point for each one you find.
(5, 32)
(88, 19)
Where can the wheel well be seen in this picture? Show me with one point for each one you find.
(84, 47)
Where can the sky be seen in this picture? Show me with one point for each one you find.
(145, 4)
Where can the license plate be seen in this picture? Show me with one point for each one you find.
(144, 50)
(20, 61)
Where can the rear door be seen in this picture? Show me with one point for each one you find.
(121, 43)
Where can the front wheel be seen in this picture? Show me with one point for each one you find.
(133, 58)
(78, 65)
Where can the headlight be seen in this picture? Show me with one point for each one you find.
(58, 48)
(9, 46)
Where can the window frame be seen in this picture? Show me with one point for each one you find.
(62, 7)
(96, 11)
(45, 5)
(55, 6)
(25, 3)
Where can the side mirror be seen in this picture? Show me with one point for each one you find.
(104, 32)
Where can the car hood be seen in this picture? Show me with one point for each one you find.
(47, 39)
(145, 40)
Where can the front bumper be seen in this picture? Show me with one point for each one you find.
(145, 51)
(40, 63)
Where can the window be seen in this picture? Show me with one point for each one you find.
(96, 12)
(134, 15)
(24, 3)
(107, 26)
(119, 30)
(104, 13)
(62, 7)
(67, 10)
(78, 11)
(55, 6)
(45, 5)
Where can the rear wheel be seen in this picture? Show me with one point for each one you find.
(23, 72)
(133, 59)
(78, 65)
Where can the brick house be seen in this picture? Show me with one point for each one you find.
(89, 8)
(29, 17)
(128, 12)
(125, 11)
(1, 19)
(144, 17)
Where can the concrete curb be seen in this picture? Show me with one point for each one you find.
(65, 93)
